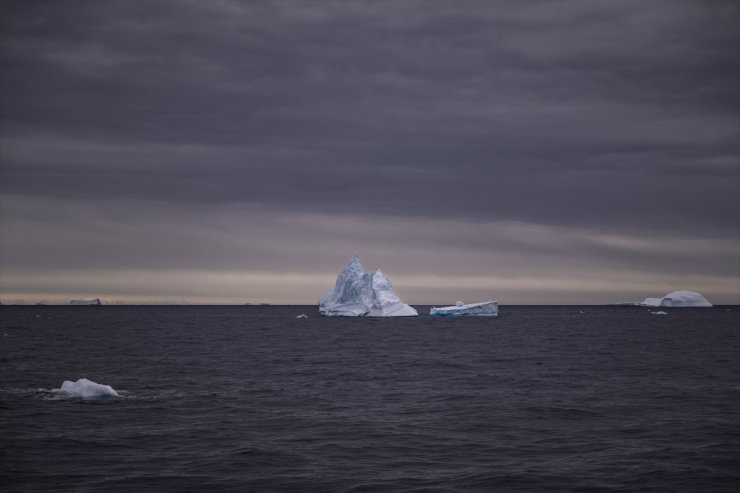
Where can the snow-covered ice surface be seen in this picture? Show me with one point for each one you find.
(484, 309)
(678, 299)
(358, 293)
(87, 389)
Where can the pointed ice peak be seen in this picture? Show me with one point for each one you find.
(383, 289)
(381, 280)
(354, 265)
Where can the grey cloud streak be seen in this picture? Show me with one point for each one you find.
(617, 118)
(143, 240)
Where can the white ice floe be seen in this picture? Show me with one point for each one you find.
(87, 389)
(484, 309)
(678, 299)
(358, 293)
(659, 312)
(302, 315)
(96, 301)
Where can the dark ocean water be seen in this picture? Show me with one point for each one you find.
(250, 398)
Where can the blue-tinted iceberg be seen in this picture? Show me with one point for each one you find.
(678, 299)
(358, 293)
(87, 389)
(484, 309)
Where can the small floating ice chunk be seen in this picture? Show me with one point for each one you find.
(659, 312)
(302, 315)
(87, 389)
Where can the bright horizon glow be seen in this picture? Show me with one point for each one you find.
(243, 254)
(305, 288)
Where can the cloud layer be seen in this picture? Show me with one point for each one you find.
(552, 142)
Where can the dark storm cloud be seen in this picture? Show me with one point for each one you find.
(622, 114)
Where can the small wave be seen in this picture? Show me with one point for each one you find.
(563, 412)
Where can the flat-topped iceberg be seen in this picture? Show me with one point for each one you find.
(87, 389)
(358, 293)
(96, 301)
(678, 299)
(484, 309)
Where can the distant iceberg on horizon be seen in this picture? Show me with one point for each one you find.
(678, 299)
(357, 293)
(484, 309)
(96, 301)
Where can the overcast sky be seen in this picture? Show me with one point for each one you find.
(240, 151)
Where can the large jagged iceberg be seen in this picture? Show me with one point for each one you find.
(358, 293)
(484, 309)
(87, 389)
(678, 299)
